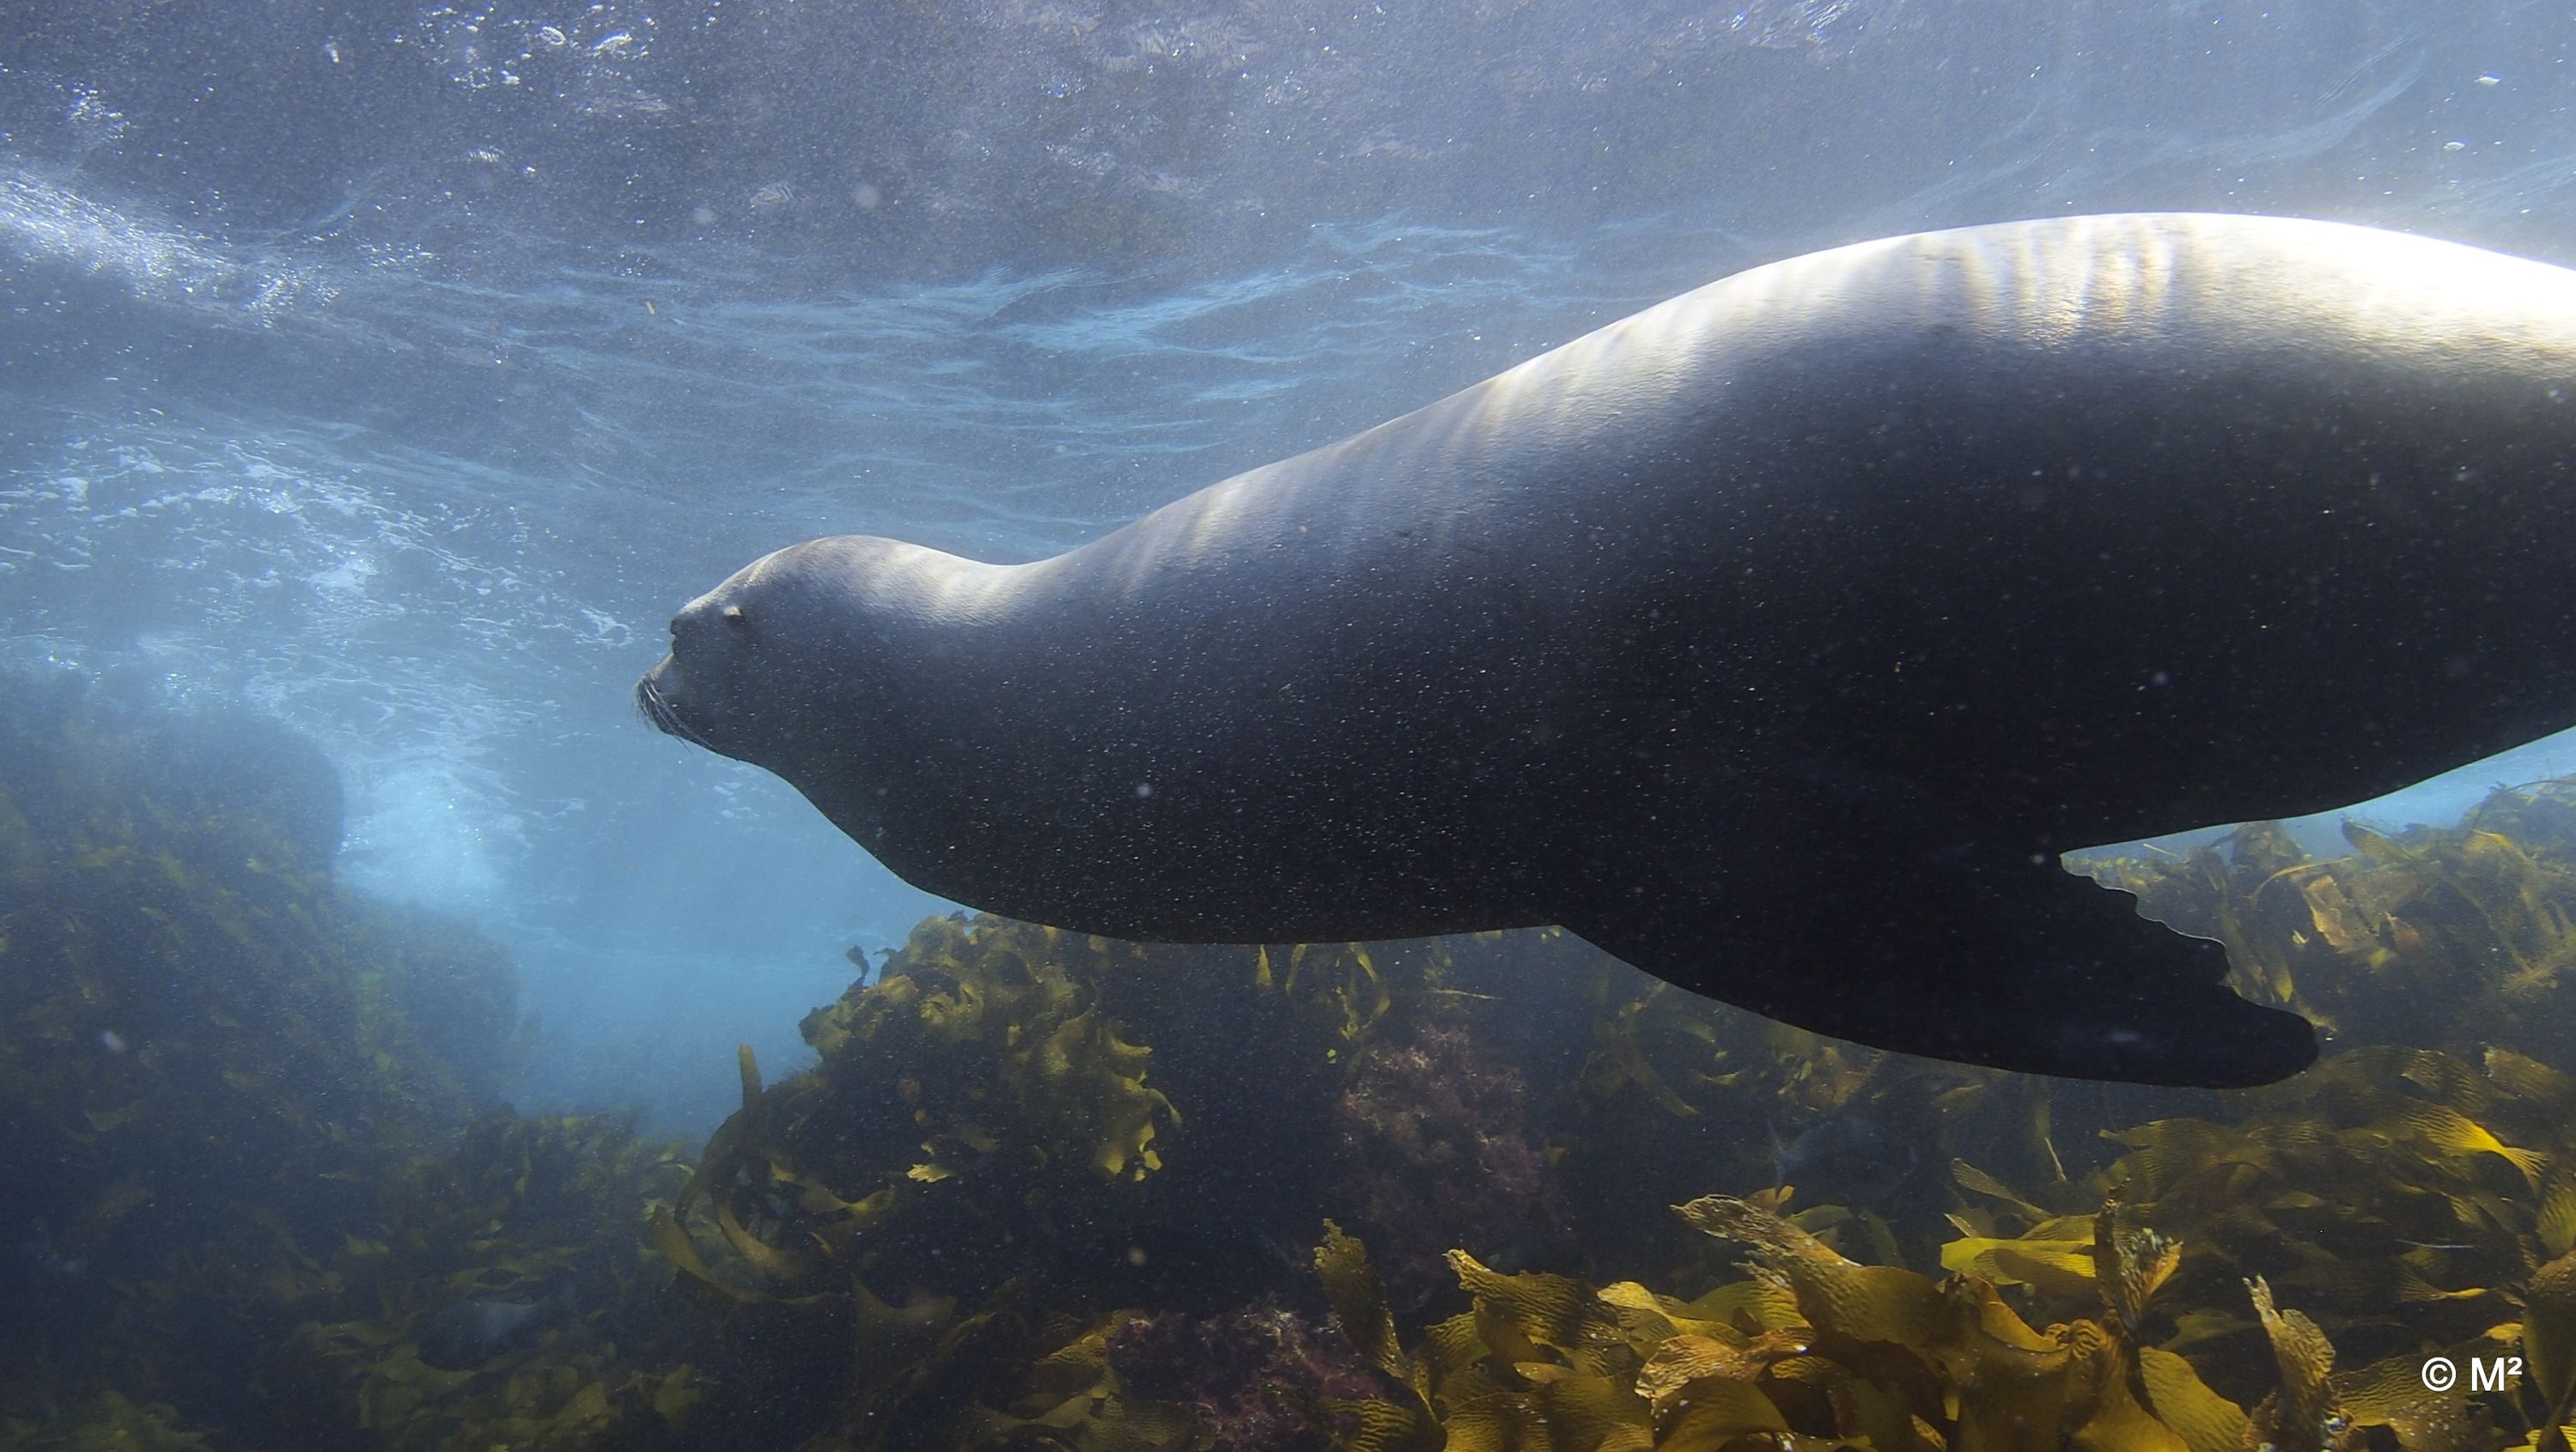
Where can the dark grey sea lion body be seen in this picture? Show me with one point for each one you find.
(1777, 639)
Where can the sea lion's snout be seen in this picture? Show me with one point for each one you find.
(659, 694)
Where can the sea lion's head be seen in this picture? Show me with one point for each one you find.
(765, 667)
(699, 692)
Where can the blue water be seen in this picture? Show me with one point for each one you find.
(399, 368)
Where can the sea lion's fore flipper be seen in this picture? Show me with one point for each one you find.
(2075, 984)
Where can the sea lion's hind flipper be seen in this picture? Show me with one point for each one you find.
(2078, 986)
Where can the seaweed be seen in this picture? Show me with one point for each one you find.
(1047, 1190)
(2452, 938)
(979, 1117)
(1678, 1093)
(1442, 1152)
(1814, 1348)
(545, 1210)
(214, 1054)
(2547, 1394)
(1261, 1377)
(993, 1085)
(105, 1422)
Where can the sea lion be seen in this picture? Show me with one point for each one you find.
(1777, 639)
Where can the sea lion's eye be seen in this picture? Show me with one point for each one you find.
(734, 617)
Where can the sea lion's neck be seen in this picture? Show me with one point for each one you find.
(943, 664)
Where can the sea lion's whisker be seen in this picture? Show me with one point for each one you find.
(649, 700)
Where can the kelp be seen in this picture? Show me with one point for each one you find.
(2410, 1190)
(1441, 1150)
(2453, 938)
(1814, 1350)
(998, 1077)
(2388, 1195)
(105, 1422)
(209, 1053)
(2409, 1199)
(1012, 1110)
(1675, 1093)
(997, 1086)
(1045, 1190)
(1002, 1380)
(981, 1128)
(1818, 1350)
(515, 1211)
(2547, 1394)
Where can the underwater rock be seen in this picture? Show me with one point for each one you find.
(1260, 1376)
(212, 1061)
(1851, 1159)
(1024, 1199)
(448, 990)
(497, 1297)
(470, 1333)
(1442, 1154)
(223, 764)
(35, 1258)
(229, 777)
(107, 1422)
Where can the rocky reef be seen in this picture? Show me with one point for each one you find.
(1048, 1191)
